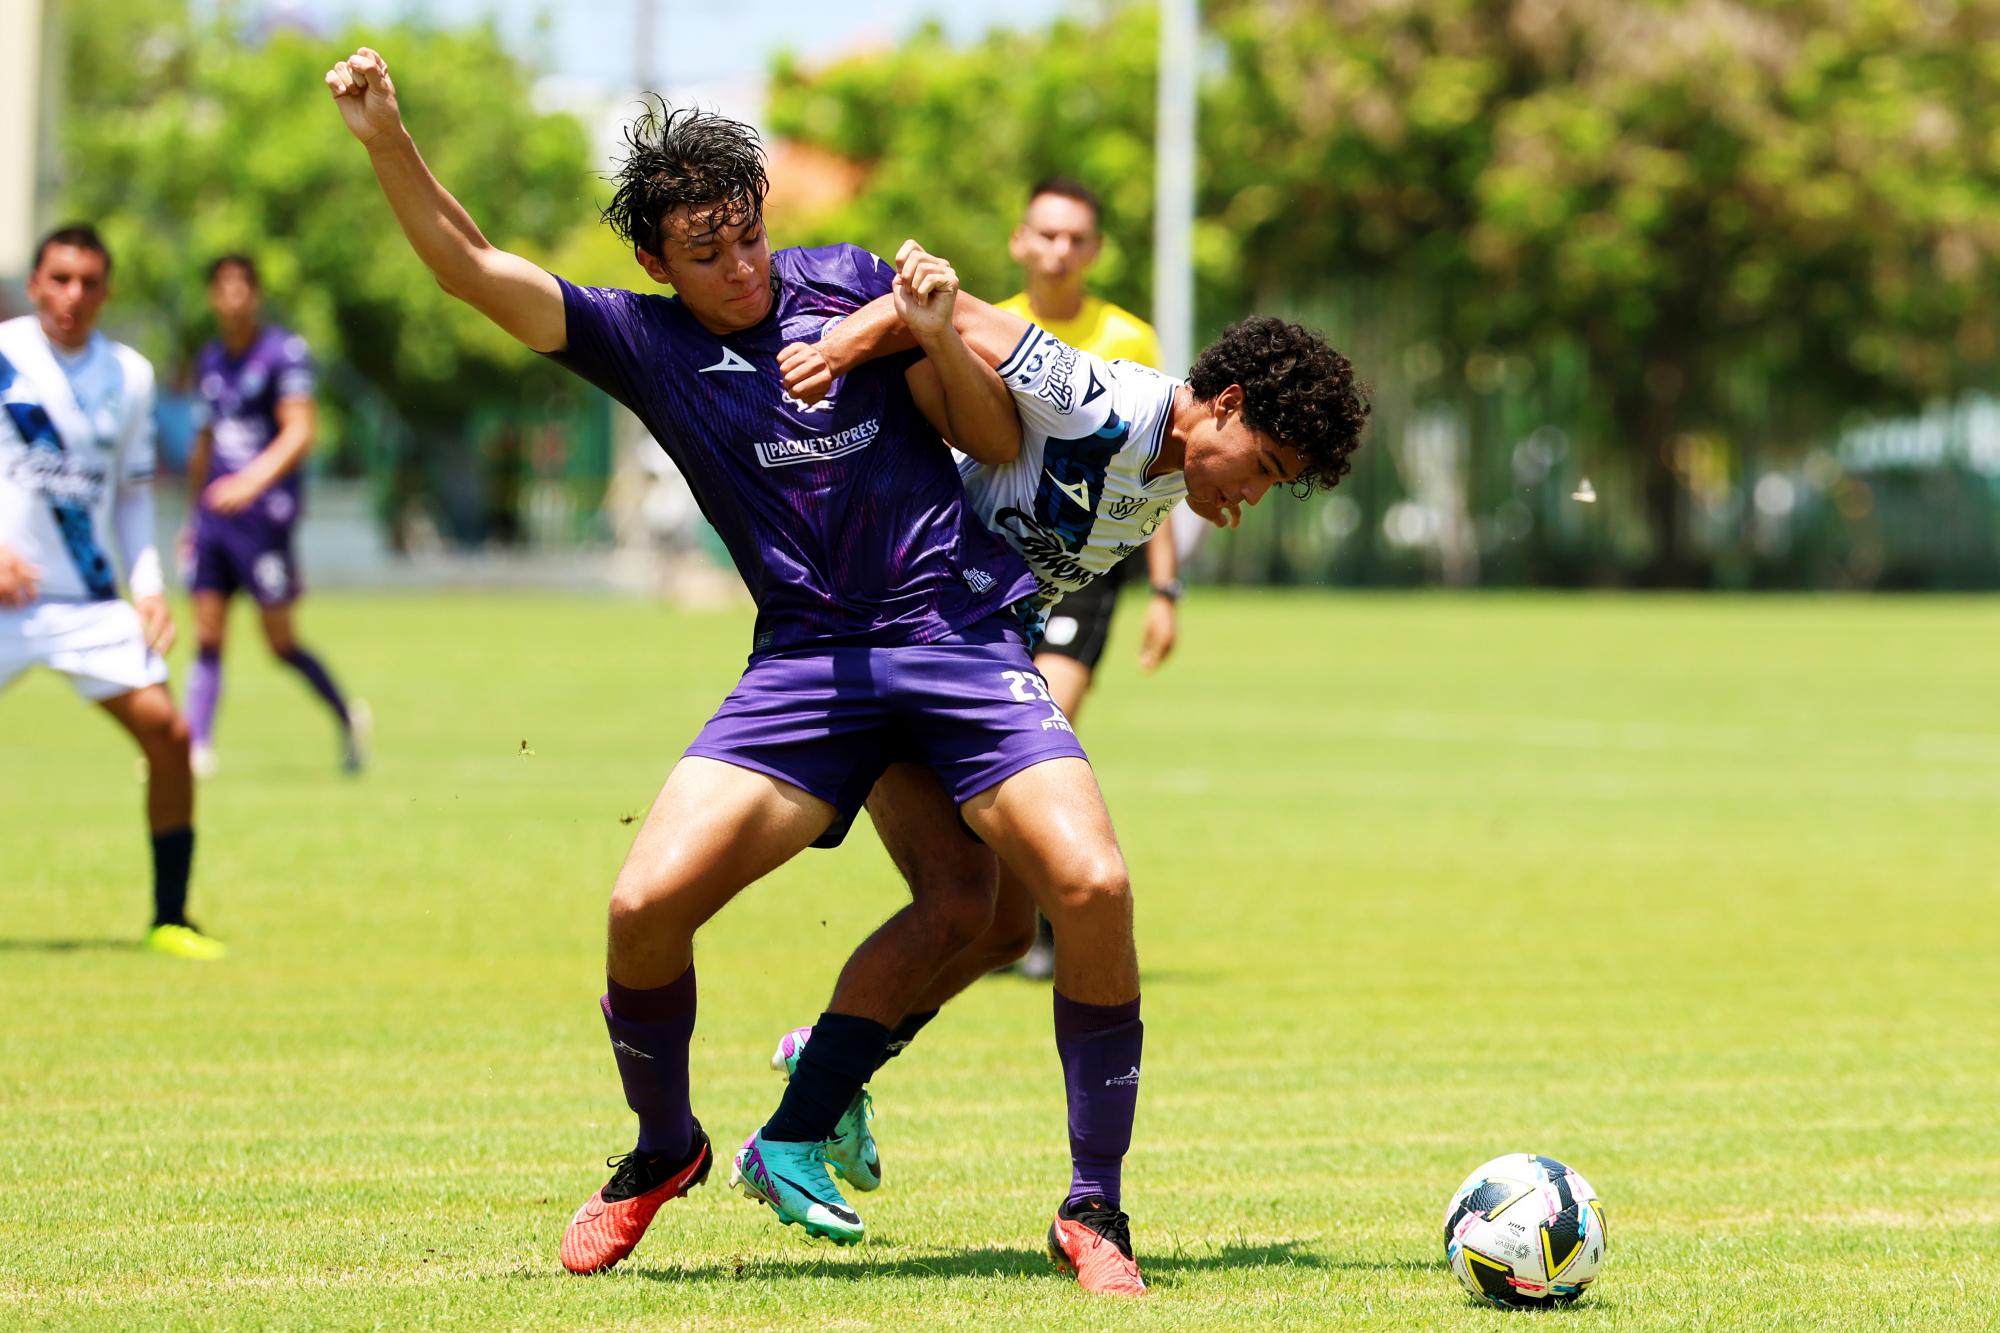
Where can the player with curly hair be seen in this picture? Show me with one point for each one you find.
(1095, 457)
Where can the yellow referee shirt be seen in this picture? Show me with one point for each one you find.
(1110, 331)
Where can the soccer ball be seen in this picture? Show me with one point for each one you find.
(1525, 1231)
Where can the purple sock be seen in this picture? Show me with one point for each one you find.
(309, 666)
(1099, 1045)
(204, 692)
(652, 1055)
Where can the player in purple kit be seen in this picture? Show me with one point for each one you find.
(256, 384)
(884, 632)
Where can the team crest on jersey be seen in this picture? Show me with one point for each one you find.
(797, 329)
(1125, 506)
(823, 405)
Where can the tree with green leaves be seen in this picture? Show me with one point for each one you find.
(955, 136)
(184, 139)
(1786, 210)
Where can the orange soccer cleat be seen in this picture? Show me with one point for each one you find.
(1094, 1240)
(610, 1224)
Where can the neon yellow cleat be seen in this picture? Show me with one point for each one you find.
(185, 942)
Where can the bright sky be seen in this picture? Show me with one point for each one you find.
(718, 49)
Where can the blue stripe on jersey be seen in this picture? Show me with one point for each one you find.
(1021, 349)
(73, 521)
(1073, 481)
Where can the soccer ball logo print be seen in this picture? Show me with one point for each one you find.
(1525, 1231)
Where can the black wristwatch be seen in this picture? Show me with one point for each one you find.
(1171, 591)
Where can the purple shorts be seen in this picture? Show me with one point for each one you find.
(972, 709)
(247, 552)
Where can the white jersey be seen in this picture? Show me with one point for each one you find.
(76, 435)
(1078, 500)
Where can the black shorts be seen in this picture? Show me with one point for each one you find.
(1080, 624)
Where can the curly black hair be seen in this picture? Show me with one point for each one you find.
(685, 157)
(1296, 389)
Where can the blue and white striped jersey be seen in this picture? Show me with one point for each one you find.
(75, 430)
(1078, 499)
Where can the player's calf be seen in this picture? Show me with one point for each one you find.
(851, 1152)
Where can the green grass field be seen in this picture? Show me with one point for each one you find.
(1701, 896)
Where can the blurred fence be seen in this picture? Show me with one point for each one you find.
(1478, 471)
(1485, 470)
(508, 476)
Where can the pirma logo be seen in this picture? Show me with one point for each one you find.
(1128, 1080)
(617, 1045)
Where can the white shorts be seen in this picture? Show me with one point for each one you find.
(98, 645)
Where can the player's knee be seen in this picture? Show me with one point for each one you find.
(1095, 890)
(1008, 942)
(967, 918)
(648, 900)
(956, 908)
(635, 900)
(162, 734)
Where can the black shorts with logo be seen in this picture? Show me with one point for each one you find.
(1080, 624)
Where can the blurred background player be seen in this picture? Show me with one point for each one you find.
(1056, 243)
(256, 386)
(76, 461)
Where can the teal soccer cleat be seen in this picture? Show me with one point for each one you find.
(792, 1179)
(851, 1151)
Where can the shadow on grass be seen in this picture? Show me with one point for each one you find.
(69, 946)
(1390, 1265)
(1150, 976)
(1160, 1269)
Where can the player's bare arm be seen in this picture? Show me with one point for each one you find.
(964, 398)
(1163, 569)
(298, 429)
(873, 331)
(877, 330)
(515, 294)
(19, 579)
(199, 454)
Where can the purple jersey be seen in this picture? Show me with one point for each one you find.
(846, 519)
(240, 397)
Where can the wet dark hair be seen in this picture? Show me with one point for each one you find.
(79, 234)
(1296, 389)
(685, 157)
(235, 260)
(1068, 187)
